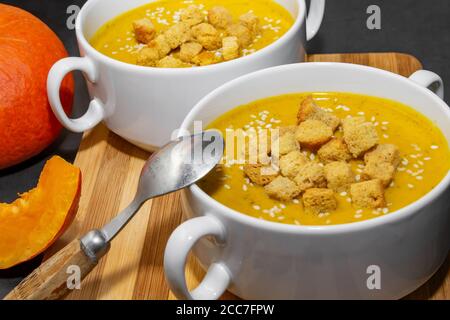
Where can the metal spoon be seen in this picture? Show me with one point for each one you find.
(177, 165)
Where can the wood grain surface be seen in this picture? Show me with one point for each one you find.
(133, 269)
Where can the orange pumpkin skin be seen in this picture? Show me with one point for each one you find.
(33, 222)
(28, 49)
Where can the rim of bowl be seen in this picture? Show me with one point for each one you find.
(390, 218)
(288, 36)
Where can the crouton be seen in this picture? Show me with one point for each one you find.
(192, 16)
(359, 135)
(384, 153)
(311, 175)
(219, 17)
(241, 32)
(189, 50)
(283, 130)
(147, 57)
(284, 143)
(170, 62)
(251, 21)
(309, 110)
(339, 175)
(205, 58)
(384, 171)
(178, 34)
(207, 36)
(260, 174)
(312, 134)
(282, 188)
(161, 45)
(144, 30)
(291, 163)
(368, 194)
(230, 48)
(334, 150)
(319, 200)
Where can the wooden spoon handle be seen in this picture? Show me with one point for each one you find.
(51, 280)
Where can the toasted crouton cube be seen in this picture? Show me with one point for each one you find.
(230, 48)
(189, 50)
(205, 58)
(359, 135)
(319, 200)
(384, 171)
(312, 134)
(339, 175)
(170, 62)
(384, 153)
(334, 150)
(368, 194)
(147, 57)
(260, 174)
(284, 143)
(144, 30)
(192, 15)
(309, 110)
(311, 175)
(241, 32)
(161, 45)
(251, 21)
(282, 188)
(178, 34)
(219, 17)
(207, 36)
(291, 163)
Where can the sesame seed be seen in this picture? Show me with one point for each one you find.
(343, 194)
(357, 216)
(226, 186)
(348, 200)
(427, 158)
(297, 222)
(385, 123)
(361, 113)
(256, 207)
(244, 187)
(411, 186)
(419, 178)
(434, 147)
(357, 177)
(385, 136)
(385, 210)
(295, 201)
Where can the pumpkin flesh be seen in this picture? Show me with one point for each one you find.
(34, 221)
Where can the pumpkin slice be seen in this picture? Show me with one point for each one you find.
(33, 222)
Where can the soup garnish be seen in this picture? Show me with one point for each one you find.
(179, 34)
(334, 158)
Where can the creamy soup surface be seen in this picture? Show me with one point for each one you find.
(423, 149)
(116, 38)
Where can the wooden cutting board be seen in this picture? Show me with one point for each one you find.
(133, 269)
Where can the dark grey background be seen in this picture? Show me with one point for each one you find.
(417, 27)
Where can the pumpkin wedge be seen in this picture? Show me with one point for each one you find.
(33, 222)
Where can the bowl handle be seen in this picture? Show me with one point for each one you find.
(429, 80)
(314, 18)
(59, 70)
(180, 243)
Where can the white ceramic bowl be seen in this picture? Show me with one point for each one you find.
(257, 259)
(144, 105)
